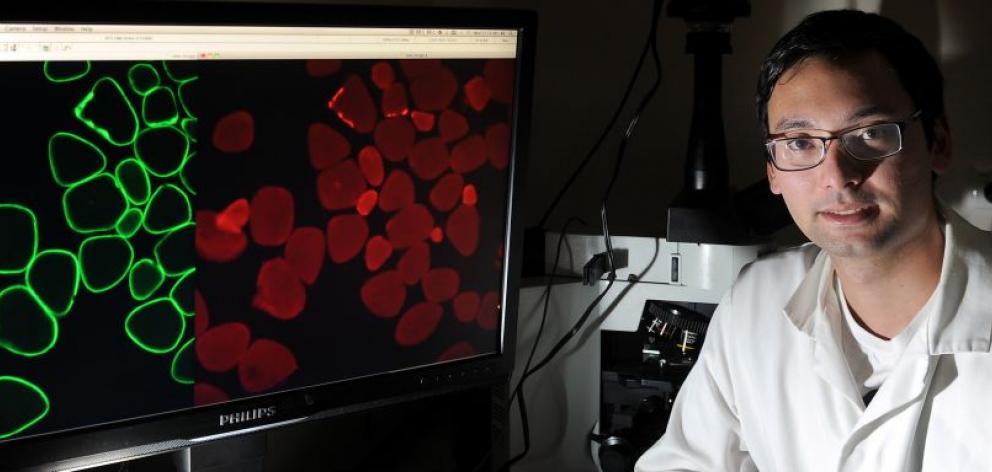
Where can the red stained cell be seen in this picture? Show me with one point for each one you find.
(434, 90)
(354, 106)
(219, 348)
(418, 324)
(272, 216)
(346, 235)
(233, 218)
(477, 93)
(440, 284)
(409, 226)
(488, 317)
(366, 202)
(201, 318)
(429, 158)
(326, 146)
(444, 195)
(459, 350)
(340, 186)
(206, 394)
(414, 263)
(469, 154)
(370, 161)
(466, 306)
(422, 120)
(215, 245)
(469, 195)
(323, 67)
(279, 291)
(397, 192)
(452, 126)
(234, 132)
(377, 252)
(394, 137)
(305, 253)
(384, 293)
(499, 74)
(413, 68)
(265, 365)
(498, 145)
(437, 235)
(463, 229)
(394, 101)
(383, 75)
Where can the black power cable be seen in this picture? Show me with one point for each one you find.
(609, 126)
(517, 393)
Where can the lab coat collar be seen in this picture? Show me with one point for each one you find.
(961, 321)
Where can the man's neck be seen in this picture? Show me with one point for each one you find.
(885, 292)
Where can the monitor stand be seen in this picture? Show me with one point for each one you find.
(182, 460)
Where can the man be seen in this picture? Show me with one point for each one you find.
(867, 349)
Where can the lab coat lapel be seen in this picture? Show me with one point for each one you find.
(812, 310)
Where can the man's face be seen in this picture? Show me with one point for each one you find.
(845, 206)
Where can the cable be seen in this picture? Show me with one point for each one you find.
(547, 358)
(517, 393)
(609, 126)
(631, 125)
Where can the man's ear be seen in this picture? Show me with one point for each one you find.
(940, 146)
(772, 176)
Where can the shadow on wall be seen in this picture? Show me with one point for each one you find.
(957, 33)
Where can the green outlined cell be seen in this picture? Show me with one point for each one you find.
(54, 277)
(23, 405)
(104, 261)
(133, 179)
(94, 205)
(108, 112)
(73, 158)
(145, 278)
(183, 367)
(184, 97)
(66, 71)
(163, 151)
(168, 208)
(174, 252)
(26, 327)
(156, 326)
(130, 222)
(182, 292)
(188, 125)
(180, 71)
(18, 237)
(185, 174)
(159, 108)
(143, 78)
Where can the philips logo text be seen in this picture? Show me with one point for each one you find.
(246, 416)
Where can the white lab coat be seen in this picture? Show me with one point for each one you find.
(772, 390)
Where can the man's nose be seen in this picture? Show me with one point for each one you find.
(839, 169)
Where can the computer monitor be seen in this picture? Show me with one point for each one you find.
(221, 218)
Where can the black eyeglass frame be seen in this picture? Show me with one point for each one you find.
(771, 139)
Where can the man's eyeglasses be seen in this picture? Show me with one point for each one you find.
(793, 150)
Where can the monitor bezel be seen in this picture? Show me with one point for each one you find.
(138, 437)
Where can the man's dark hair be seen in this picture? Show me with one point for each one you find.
(840, 34)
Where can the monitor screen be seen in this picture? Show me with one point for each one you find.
(195, 214)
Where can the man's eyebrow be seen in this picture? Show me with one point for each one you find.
(867, 111)
(787, 123)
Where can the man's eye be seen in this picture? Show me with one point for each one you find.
(800, 144)
(869, 134)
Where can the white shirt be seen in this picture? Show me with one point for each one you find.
(870, 357)
(772, 390)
